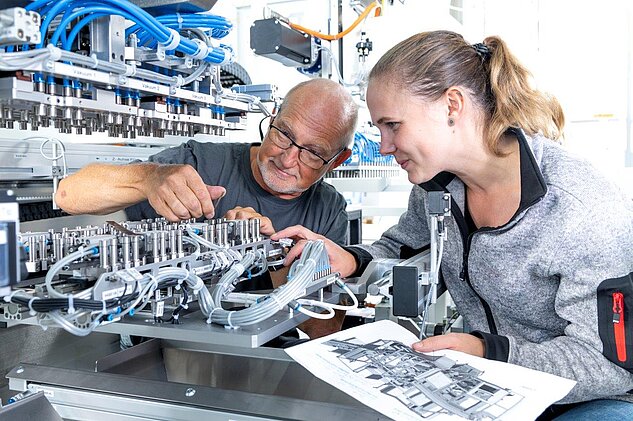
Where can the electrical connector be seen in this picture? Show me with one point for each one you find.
(19, 26)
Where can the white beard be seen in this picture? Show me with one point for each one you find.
(274, 183)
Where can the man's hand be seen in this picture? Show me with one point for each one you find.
(340, 260)
(265, 224)
(456, 341)
(177, 192)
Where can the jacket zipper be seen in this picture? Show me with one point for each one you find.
(463, 276)
(618, 325)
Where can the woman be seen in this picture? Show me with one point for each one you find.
(539, 255)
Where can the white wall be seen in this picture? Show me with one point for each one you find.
(579, 51)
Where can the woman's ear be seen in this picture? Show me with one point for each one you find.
(455, 102)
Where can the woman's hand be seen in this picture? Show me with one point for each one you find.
(340, 260)
(463, 342)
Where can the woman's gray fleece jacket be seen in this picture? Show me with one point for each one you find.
(540, 289)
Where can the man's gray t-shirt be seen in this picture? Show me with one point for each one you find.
(320, 208)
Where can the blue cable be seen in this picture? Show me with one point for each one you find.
(144, 38)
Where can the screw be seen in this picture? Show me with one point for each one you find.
(20, 370)
(190, 392)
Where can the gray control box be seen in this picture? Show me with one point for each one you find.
(274, 39)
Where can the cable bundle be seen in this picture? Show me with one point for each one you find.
(313, 259)
(218, 26)
(82, 312)
(159, 30)
(68, 311)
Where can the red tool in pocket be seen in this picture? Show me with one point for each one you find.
(618, 325)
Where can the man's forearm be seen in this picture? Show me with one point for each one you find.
(102, 189)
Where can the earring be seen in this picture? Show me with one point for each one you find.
(451, 122)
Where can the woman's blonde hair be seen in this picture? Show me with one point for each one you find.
(429, 63)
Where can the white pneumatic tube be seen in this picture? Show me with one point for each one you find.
(301, 274)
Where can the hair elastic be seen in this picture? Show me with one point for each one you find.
(482, 50)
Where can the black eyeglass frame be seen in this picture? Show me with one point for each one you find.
(303, 148)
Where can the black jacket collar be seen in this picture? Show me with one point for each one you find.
(533, 186)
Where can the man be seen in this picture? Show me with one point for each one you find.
(279, 178)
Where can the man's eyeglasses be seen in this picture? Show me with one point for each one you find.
(284, 140)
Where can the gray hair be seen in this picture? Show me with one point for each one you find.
(337, 100)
